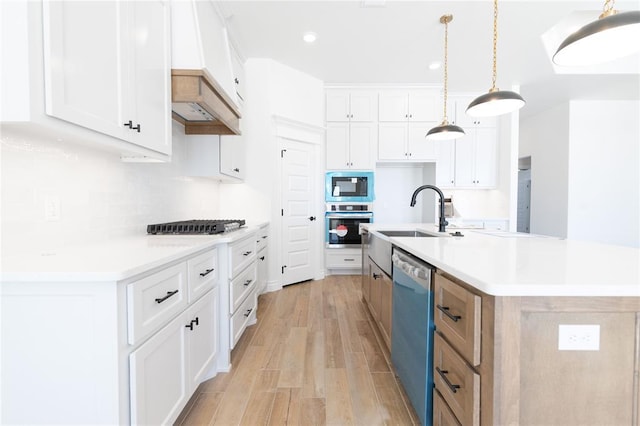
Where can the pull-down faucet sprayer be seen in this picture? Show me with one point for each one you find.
(442, 222)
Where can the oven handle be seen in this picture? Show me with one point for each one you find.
(349, 215)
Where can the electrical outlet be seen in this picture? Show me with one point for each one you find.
(51, 208)
(579, 337)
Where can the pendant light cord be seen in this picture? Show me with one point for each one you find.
(446, 73)
(607, 9)
(495, 46)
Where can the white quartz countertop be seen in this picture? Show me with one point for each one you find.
(114, 260)
(503, 263)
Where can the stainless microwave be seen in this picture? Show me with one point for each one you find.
(349, 187)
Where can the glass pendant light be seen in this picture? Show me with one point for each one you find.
(445, 130)
(496, 101)
(614, 35)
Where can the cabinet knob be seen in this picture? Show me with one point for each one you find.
(236, 80)
(129, 124)
(237, 170)
(376, 276)
(136, 128)
(312, 218)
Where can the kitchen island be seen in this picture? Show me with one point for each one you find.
(507, 349)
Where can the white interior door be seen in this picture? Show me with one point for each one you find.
(298, 218)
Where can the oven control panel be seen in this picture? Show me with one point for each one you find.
(349, 207)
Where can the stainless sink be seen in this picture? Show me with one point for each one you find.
(406, 233)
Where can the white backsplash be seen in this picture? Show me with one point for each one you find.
(99, 196)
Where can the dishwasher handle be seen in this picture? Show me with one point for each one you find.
(412, 268)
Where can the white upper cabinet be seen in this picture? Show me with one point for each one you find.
(476, 159)
(350, 146)
(405, 118)
(107, 68)
(457, 108)
(351, 105)
(409, 105)
(445, 163)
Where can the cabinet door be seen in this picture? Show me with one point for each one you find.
(361, 145)
(363, 105)
(262, 270)
(418, 146)
(375, 290)
(485, 157)
(84, 66)
(423, 105)
(445, 161)
(393, 106)
(386, 301)
(337, 145)
(149, 74)
(157, 376)
(465, 161)
(366, 280)
(338, 105)
(392, 141)
(232, 154)
(202, 338)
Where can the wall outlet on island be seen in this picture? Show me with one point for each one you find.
(51, 208)
(579, 337)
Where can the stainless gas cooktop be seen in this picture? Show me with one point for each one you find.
(196, 227)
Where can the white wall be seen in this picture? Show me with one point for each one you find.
(545, 137)
(585, 178)
(100, 196)
(394, 185)
(272, 90)
(604, 172)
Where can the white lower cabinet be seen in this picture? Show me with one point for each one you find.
(166, 369)
(243, 298)
(158, 380)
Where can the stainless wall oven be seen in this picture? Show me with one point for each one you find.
(343, 224)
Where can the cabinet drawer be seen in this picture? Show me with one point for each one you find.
(458, 384)
(261, 238)
(203, 273)
(341, 260)
(442, 414)
(153, 300)
(457, 316)
(242, 285)
(242, 254)
(241, 318)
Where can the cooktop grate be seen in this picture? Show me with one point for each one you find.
(196, 227)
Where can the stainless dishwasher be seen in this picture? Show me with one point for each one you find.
(412, 335)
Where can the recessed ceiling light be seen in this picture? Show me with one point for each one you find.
(309, 37)
(435, 65)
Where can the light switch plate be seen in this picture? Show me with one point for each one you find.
(579, 337)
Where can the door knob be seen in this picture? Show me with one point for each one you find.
(312, 218)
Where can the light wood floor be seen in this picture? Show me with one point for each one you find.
(312, 359)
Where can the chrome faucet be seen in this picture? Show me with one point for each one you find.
(442, 222)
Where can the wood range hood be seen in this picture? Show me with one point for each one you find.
(200, 103)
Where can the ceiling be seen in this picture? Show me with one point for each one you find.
(394, 44)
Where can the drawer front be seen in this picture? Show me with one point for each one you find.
(457, 316)
(241, 318)
(203, 273)
(242, 285)
(242, 254)
(338, 260)
(153, 300)
(458, 384)
(261, 238)
(442, 414)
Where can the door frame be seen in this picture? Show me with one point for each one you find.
(287, 129)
